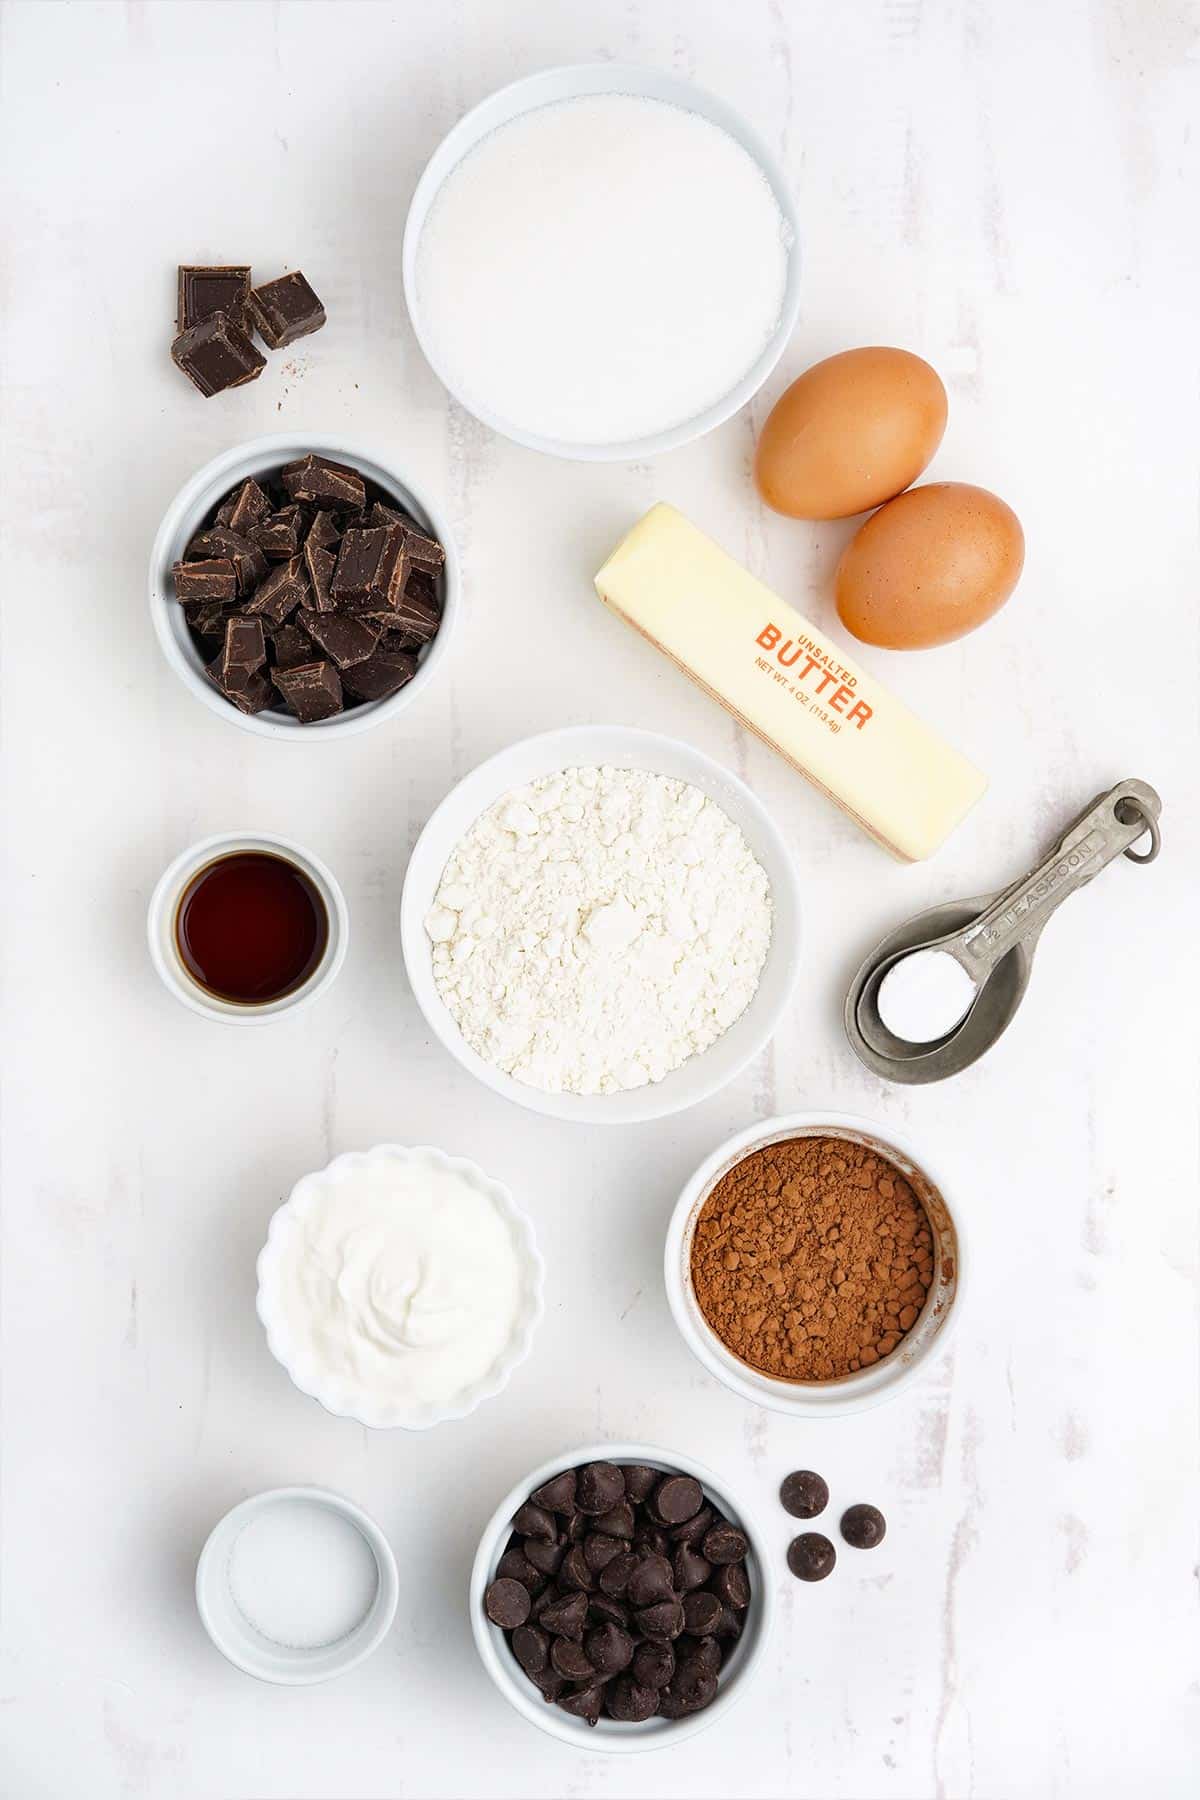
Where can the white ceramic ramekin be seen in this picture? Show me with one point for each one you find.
(739, 1669)
(184, 517)
(164, 951)
(338, 1396)
(916, 1350)
(570, 83)
(623, 747)
(244, 1646)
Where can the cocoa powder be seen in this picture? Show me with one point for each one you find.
(811, 1258)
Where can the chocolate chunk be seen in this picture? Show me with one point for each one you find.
(569, 1660)
(663, 1620)
(320, 565)
(324, 532)
(725, 1544)
(216, 354)
(515, 1566)
(701, 1612)
(207, 619)
(731, 1585)
(279, 536)
(619, 1520)
(585, 1704)
(546, 1558)
(690, 1569)
(205, 291)
(244, 654)
(323, 482)
(424, 553)
(254, 697)
(676, 1499)
(531, 1647)
(532, 1520)
(566, 1617)
(863, 1527)
(652, 1580)
(249, 563)
(289, 646)
(692, 1530)
(285, 309)
(630, 1703)
(416, 618)
(557, 1495)
(600, 1486)
(246, 506)
(804, 1494)
(347, 641)
(614, 1579)
(362, 564)
(609, 1649)
(810, 1556)
(574, 1573)
(215, 579)
(311, 690)
(284, 589)
(507, 1603)
(653, 1664)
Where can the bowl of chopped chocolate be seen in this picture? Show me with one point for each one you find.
(814, 1263)
(620, 1599)
(300, 585)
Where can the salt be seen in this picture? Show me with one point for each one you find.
(601, 269)
(302, 1575)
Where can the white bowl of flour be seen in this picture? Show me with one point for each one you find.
(601, 924)
(601, 262)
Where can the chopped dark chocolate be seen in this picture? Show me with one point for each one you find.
(312, 691)
(325, 483)
(324, 532)
(285, 310)
(215, 578)
(279, 536)
(360, 564)
(254, 697)
(416, 617)
(423, 552)
(249, 563)
(346, 641)
(383, 673)
(289, 646)
(285, 588)
(216, 354)
(320, 565)
(244, 654)
(246, 507)
(204, 291)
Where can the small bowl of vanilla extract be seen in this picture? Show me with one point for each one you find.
(246, 927)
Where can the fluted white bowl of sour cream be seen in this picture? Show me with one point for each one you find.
(400, 1287)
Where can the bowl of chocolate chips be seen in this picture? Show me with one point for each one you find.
(619, 1599)
(302, 586)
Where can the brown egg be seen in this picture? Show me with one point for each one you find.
(853, 431)
(929, 566)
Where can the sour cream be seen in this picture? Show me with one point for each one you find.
(401, 1280)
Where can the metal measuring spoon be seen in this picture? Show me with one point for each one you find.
(993, 938)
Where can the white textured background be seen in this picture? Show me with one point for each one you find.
(1009, 188)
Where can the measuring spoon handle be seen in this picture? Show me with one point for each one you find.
(1108, 829)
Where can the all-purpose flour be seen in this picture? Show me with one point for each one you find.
(601, 269)
(594, 930)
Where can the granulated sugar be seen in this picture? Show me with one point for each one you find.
(601, 269)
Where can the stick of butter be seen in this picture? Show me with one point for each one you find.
(783, 679)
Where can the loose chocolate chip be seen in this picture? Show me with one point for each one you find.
(514, 1566)
(725, 1544)
(574, 1571)
(557, 1495)
(640, 1482)
(690, 1569)
(599, 1550)
(614, 1579)
(618, 1521)
(546, 1558)
(804, 1494)
(810, 1556)
(534, 1521)
(692, 1530)
(600, 1486)
(531, 1647)
(651, 1581)
(605, 1611)
(507, 1603)
(653, 1664)
(609, 1649)
(569, 1660)
(677, 1499)
(630, 1703)
(585, 1704)
(731, 1585)
(663, 1620)
(565, 1617)
(701, 1613)
(863, 1526)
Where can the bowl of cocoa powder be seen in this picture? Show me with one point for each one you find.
(814, 1263)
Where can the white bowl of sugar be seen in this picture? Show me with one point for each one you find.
(602, 262)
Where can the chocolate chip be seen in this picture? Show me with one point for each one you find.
(507, 1603)
(565, 1617)
(691, 1690)
(651, 1581)
(676, 1499)
(569, 1660)
(618, 1521)
(557, 1495)
(532, 1520)
(640, 1482)
(701, 1613)
(514, 1566)
(599, 1551)
(663, 1620)
(602, 1610)
(804, 1494)
(585, 1704)
(574, 1571)
(651, 1540)
(548, 1684)
(546, 1558)
(600, 1486)
(653, 1664)
(729, 1625)
(863, 1526)
(578, 1527)
(692, 1530)
(531, 1647)
(725, 1544)
(630, 1703)
(810, 1556)
(702, 1652)
(614, 1579)
(690, 1569)
(731, 1585)
(609, 1649)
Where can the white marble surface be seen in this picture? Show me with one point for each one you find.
(1010, 188)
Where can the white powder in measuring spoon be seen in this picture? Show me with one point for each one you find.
(601, 269)
(302, 1574)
